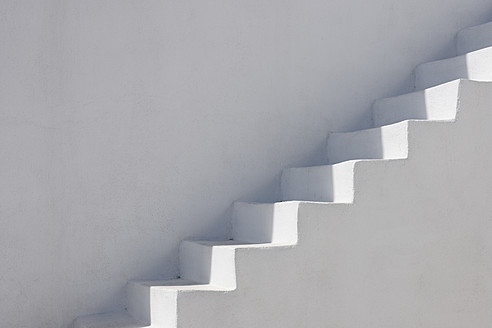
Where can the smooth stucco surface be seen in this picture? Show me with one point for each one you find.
(127, 126)
(411, 248)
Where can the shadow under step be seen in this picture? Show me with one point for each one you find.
(325, 183)
(438, 103)
(385, 142)
(474, 38)
(475, 65)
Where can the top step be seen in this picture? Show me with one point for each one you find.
(474, 38)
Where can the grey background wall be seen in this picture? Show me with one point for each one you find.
(126, 126)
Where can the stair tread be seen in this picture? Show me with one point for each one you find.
(177, 284)
(348, 162)
(383, 127)
(270, 203)
(292, 202)
(234, 244)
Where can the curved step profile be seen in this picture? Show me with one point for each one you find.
(476, 65)
(474, 38)
(385, 142)
(436, 103)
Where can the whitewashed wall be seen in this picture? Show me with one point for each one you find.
(128, 125)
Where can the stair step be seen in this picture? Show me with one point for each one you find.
(385, 142)
(436, 103)
(210, 266)
(213, 262)
(476, 65)
(108, 320)
(208, 263)
(326, 183)
(206, 266)
(265, 222)
(156, 300)
(474, 38)
(176, 285)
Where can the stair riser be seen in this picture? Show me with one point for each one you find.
(152, 305)
(265, 223)
(138, 301)
(206, 264)
(330, 183)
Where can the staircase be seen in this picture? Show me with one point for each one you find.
(386, 234)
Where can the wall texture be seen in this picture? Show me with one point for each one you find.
(128, 125)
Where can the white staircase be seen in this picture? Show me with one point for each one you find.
(364, 241)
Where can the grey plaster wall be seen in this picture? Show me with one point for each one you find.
(126, 126)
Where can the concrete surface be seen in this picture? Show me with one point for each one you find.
(396, 235)
(128, 126)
